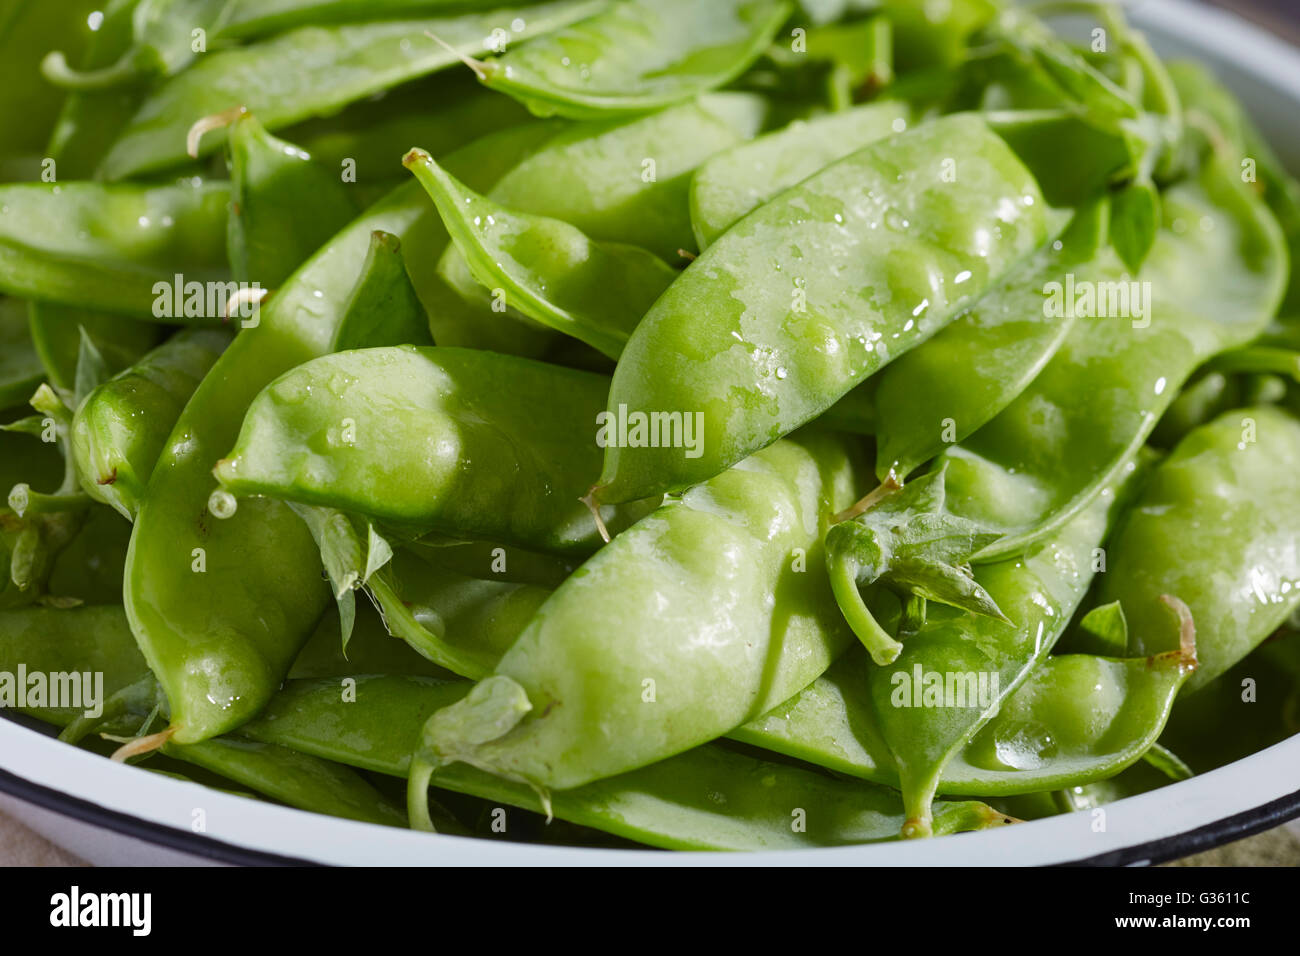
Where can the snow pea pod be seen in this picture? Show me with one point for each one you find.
(283, 205)
(1240, 573)
(709, 798)
(1038, 592)
(735, 182)
(108, 247)
(695, 645)
(120, 428)
(1215, 276)
(636, 56)
(477, 467)
(549, 270)
(245, 19)
(1001, 344)
(1076, 719)
(292, 778)
(317, 70)
(220, 608)
(93, 639)
(758, 342)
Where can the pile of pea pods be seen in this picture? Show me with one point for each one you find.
(740, 425)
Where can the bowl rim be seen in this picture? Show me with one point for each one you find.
(1241, 798)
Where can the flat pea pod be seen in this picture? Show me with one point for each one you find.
(316, 71)
(91, 640)
(255, 574)
(1076, 719)
(108, 247)
(738, 180)
(120, 428)
(292, 778)
(1240, 573)
(384, 308)
(477, 468)
(1000, 345)
(1215, 276)
(709, 798)
(694, 628)
(758, 343)
(284, 205)
(549, 270)
(636, 56)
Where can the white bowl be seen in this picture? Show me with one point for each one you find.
(108, 813)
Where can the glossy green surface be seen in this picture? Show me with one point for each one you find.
(120, 428)
(1240, 573)
(816, 290)
(317, 70)
(709, 798)
(636, 56)
(432, 439)
(694, 645)
(384, 308)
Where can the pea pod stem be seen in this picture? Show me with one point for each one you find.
(883, 648)
(865, 503)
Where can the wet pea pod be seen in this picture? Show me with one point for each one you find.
(735, 182)
(1215, 275)
(86, 641)
(339, 432)
(549, 270)
(1240, 573)
(317, 70)
(709, 798)
(691, 649)
(384, 308)
(113, 248)
(184, 564)
(757, 344)
(1076, 719)
(636, 56)
(283, 204)
(120, 428)
(1037, 593)
(1002, 344)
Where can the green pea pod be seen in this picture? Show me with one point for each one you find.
(255, 573)
(1000, 345)
(1215, 275)
(461, 624)
(757, 342)
(248, 19)
(709, 798)
(20, 365)
(623, 181)
(165, 36)
(552, 272)
(735, 182)
(1037, 592)
(480, 470)
(111, 248)
(87, 641)
(1238, 573)
(284, 205)
(1073, 159)
(120, 428)
(371, 650)
(691, 649)
(293, 778)
(935, 35)
(1075, 720)
(316, 71)
(383, 309)
(636, 57)
(492, 560)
